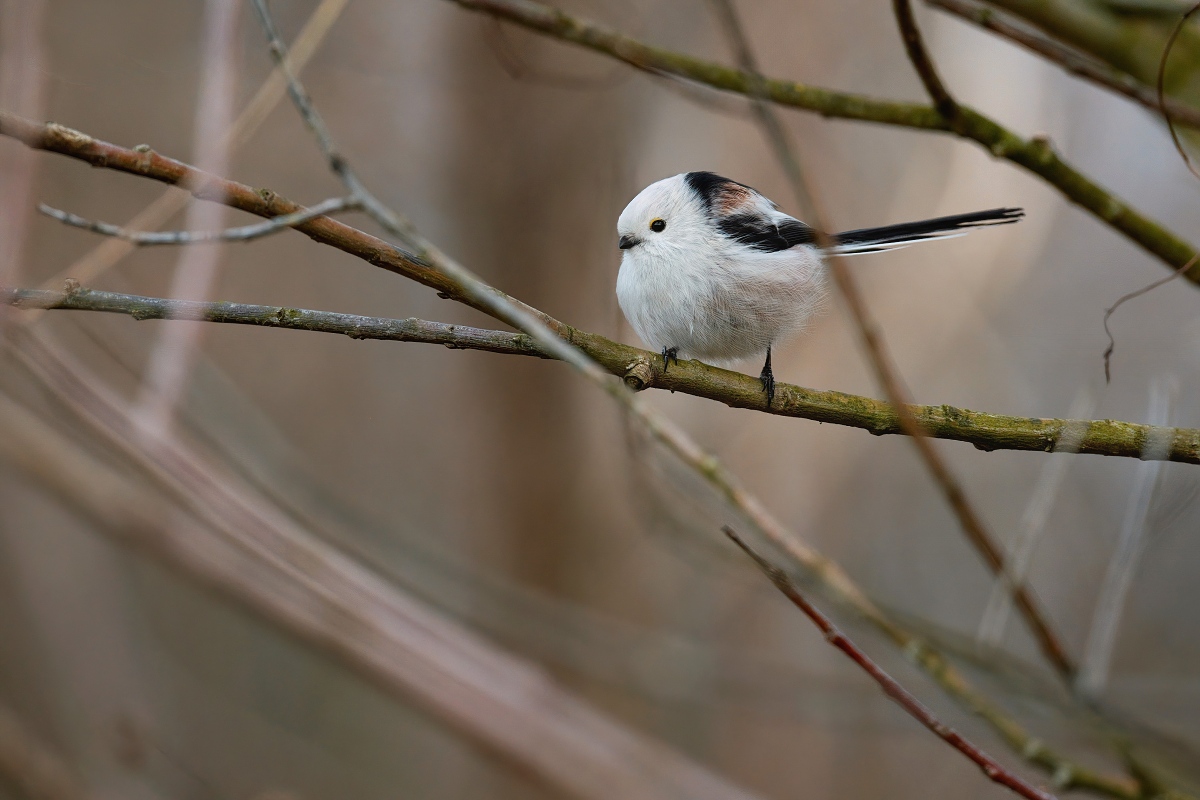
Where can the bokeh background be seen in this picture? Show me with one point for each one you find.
(512, 495)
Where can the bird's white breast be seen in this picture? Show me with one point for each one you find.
(716, 300)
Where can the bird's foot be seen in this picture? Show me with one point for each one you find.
(767, 378)
(669, 354)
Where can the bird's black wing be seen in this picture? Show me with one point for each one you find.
(763, 233)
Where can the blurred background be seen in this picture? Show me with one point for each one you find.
(512, 497)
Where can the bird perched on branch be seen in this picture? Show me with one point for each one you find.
(711, 269)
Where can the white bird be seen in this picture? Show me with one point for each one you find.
(711, 269)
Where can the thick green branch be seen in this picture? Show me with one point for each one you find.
(643, 369)
(1035, 154)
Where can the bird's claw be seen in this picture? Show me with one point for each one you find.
(669, 354)
(767, 379)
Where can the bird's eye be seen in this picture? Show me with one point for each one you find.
(658, 226)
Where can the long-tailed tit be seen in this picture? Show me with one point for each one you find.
(711, 269)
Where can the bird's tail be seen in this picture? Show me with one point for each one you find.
(890, 237)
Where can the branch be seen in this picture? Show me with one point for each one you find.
(890, 686)
(455, 337)
(914, 45)
(243, 233)
(1076, 62)
(638, 367)
(1035, 155)
(641, 369)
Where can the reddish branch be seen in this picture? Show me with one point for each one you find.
(915, 708)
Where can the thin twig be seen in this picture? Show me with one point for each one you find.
(886, 372)
(1035, 154)
(901, 696)
(984, 430)
(243, 233)
(1108, 312)
(1159, 87)
(914, 45)
(385, 216)
(1187, 160)
(454, 337)
(1076, 62)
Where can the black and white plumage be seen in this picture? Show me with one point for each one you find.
(711, 269)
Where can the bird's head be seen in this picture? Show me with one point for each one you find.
(666, 217)
(682, 215)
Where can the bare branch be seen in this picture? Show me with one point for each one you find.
(455, 337)
(1074, 61)
(914, 45)
(890, 686)
(243, 233)
(1035, 154)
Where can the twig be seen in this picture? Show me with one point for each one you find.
(921, 61)
(1187, 160)
(886, 372)
(1108, 312)
(1161, 97)
(1035, 155)
(985, 431)
(915, 708)
(1073, 61)
(454, 337)
(389, 219)
(243, 233)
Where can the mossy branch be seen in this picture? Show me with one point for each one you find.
(1035, 154)
(642, 369)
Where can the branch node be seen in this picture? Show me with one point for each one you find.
(70, 287)
(67, 136)
(639, 375)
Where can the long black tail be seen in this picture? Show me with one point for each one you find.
(890, 237)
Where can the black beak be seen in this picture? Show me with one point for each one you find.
(626, 242)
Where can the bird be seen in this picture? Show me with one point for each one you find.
(712, 269)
